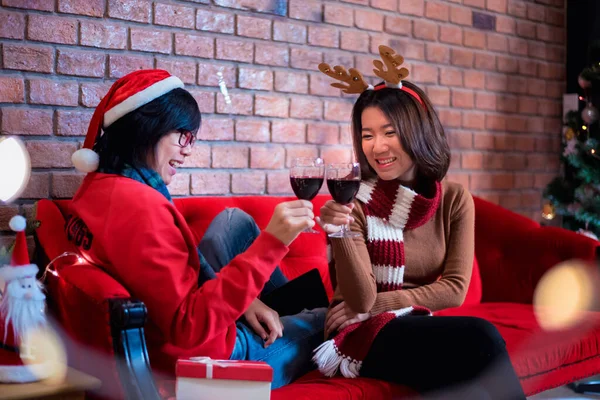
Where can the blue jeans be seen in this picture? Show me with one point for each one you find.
(229, 234)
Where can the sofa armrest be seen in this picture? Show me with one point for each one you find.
(113, 328)
(95, 313)
(514, 252)
(127, 319)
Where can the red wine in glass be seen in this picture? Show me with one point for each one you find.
(343, 182)
(306, 178)
(306, 188)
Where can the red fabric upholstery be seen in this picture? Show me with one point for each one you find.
(512, 253)
(78, 296)
(542, 359)
(313, 386)
(515, 252)
(474, 291)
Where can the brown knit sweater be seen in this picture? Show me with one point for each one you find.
(438, 258)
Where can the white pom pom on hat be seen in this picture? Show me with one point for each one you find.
(126, 95)
(85, 160)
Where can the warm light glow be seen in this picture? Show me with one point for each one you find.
(563, 295)
(584, 128)
(581, 98)
(548, 212)
(80, 260)
(593, 151)
(15, 168)
(43, 351)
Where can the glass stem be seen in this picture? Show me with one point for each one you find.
(344, 229)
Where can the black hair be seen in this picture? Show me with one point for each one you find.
(132, 139)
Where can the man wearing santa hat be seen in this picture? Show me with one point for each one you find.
(203, 299)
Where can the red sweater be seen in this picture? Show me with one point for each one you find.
(137, 236)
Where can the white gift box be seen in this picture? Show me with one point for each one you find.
(202, 378)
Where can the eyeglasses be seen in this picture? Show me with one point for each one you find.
(186, 138)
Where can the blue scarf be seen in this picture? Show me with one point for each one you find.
(152, 178)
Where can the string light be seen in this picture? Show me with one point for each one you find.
(80, 260)
(548, 211)
(583, 127)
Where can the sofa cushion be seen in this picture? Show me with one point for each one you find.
(534, 351)
(314, 386)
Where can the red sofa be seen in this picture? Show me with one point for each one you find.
(101, 323)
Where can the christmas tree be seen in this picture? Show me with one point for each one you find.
(575, 194)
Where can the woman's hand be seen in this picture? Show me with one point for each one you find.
(258, 314)
(334, 215)
(341, 316)
(289, 219)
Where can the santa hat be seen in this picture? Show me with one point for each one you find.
(126, 95)
(19, 267)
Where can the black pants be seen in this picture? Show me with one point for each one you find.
(444, 358)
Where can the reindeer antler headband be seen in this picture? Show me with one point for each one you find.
(355, 83)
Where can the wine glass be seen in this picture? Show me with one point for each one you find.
(343, 181)
(306, 178)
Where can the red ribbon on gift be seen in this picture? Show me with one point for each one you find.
(207, 368)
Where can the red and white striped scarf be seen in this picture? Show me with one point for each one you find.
(390, 210)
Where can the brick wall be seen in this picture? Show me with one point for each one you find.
(494, 69)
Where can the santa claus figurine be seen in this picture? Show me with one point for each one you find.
(22, 311)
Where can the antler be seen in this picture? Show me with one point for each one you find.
(354, 80)
(392, 61)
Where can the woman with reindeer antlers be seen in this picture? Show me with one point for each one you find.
(414, 254)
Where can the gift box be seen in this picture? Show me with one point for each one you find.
(202, 378)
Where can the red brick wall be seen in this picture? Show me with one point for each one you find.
(494, 68)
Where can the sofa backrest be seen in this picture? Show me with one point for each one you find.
(306, 252)
(511, 251)
(514, 252)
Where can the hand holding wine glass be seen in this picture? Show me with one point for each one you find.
(333, 215)
(306, 178)
(289, 219)
(343, 182)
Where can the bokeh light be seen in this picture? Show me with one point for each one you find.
(15, 168)
(43, 351)
(564, 294)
